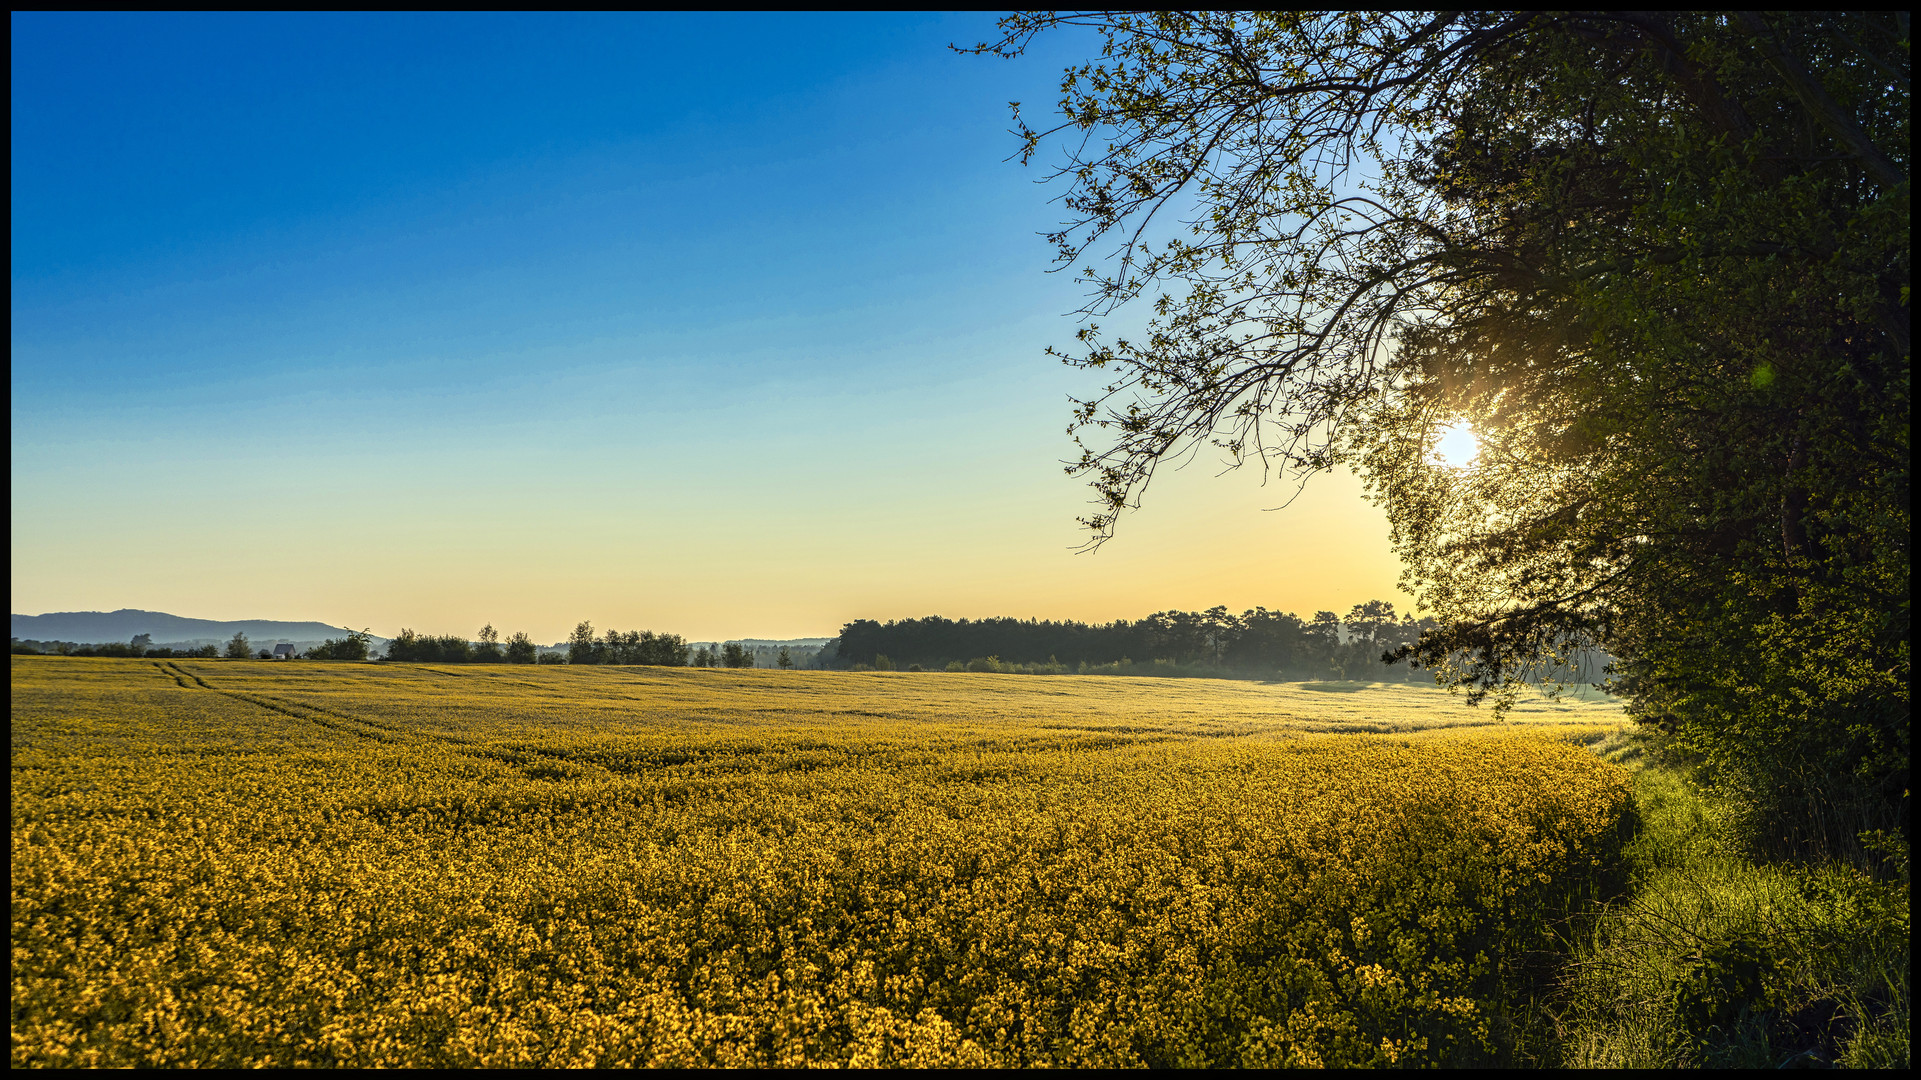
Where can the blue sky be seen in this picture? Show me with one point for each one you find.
(725, 325)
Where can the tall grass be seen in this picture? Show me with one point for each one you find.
(1717, 957)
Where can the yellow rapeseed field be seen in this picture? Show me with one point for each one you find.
(245, 863)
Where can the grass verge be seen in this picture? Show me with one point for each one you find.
(1713, 958)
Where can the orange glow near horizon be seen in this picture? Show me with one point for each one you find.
(713, 571)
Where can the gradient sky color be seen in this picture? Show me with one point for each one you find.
(725, 325)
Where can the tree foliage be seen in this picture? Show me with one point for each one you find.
(521, 648)
(1658, 261)
(410, 647)
(352, 647)
(417, 648)
(1257, 642)
(632, 647)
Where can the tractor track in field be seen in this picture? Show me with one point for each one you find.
(181, 675)
(332, 719)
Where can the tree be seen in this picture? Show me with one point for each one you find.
(1371, 620)
(142, 642)
(487, 648)
(1324, 636)
(405, 646)
(785, 659)
(581, 648)
(1657, 262)
(666, 650)
(623, 648)
(734, 655)
(351, 647)
(521, 648)
(237, 647)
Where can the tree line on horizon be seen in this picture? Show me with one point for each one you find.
(139, 648)
(1211, 642)
(583, 647)
(1258, 642)
(487, 648)
(354, 647)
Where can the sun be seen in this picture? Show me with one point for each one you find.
(1457, 446)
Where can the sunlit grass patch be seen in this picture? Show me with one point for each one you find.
(1338, 687)
(1715, 959)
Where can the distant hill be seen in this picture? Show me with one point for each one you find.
(94, 627)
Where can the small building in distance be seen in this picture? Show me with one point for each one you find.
(283, 651)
